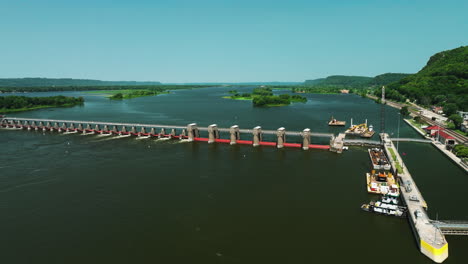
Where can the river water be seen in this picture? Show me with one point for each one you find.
(94, 199)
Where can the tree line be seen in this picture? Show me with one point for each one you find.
(24, 102)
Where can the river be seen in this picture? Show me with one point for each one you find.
(93, 199)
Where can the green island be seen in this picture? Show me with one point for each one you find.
(10, 104)
(128, 93)
(263, 97)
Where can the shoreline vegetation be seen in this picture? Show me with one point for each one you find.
(27, 89)
(263, 97)
(11, 104)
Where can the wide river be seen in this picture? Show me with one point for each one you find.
(94, 199)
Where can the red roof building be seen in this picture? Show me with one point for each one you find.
(433, 129)
(444, 138)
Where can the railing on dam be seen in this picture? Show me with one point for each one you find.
(361, 142)
(190, 132)
(411, 140)
(452, 227)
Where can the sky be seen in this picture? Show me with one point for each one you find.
(177, 41)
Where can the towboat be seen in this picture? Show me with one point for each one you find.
(385, 209)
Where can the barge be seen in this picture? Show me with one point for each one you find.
(361, 130)
(382, 183)
(379, 159)
(334, 122)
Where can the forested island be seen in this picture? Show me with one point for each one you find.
(263, 97)
(128, 94)
(10, 104)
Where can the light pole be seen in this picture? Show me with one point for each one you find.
(398, 132)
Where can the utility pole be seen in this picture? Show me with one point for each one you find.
(382, 115)
(398, 132)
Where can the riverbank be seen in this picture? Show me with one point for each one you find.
(387, 102)
(415, 127)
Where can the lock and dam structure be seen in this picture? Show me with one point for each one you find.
(429, 234)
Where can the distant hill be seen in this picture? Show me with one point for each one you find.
(386, 78)
(313, 82)
(341, 80)
(51, 82)
(356, 81)
(444, 80)
(237, 83)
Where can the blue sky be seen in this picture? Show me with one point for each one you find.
(224, 41)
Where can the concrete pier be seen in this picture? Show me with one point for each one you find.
(429, 237)
(281, 135)
(234, 134)
(257, 136)
(213, 133)
(305, 138)
(192, 130)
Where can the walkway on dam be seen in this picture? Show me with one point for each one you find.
(429, 237)
(268, 132)
(190, 132)
(452, 227)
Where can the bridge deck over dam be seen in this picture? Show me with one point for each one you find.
(190, 132)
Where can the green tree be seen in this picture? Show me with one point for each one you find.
(117, 96)
(461, 150)
(404, 111)
(456, 119)
(450, 109)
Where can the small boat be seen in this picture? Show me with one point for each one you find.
(389, 199)
(385, 209)
(379, 159)
(334, 122)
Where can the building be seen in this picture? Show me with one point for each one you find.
(464, 126)
(463, 114)
(432, 130)
(445, 138)
(344, 91)
(438, 109)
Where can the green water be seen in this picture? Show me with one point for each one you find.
(93, 199)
